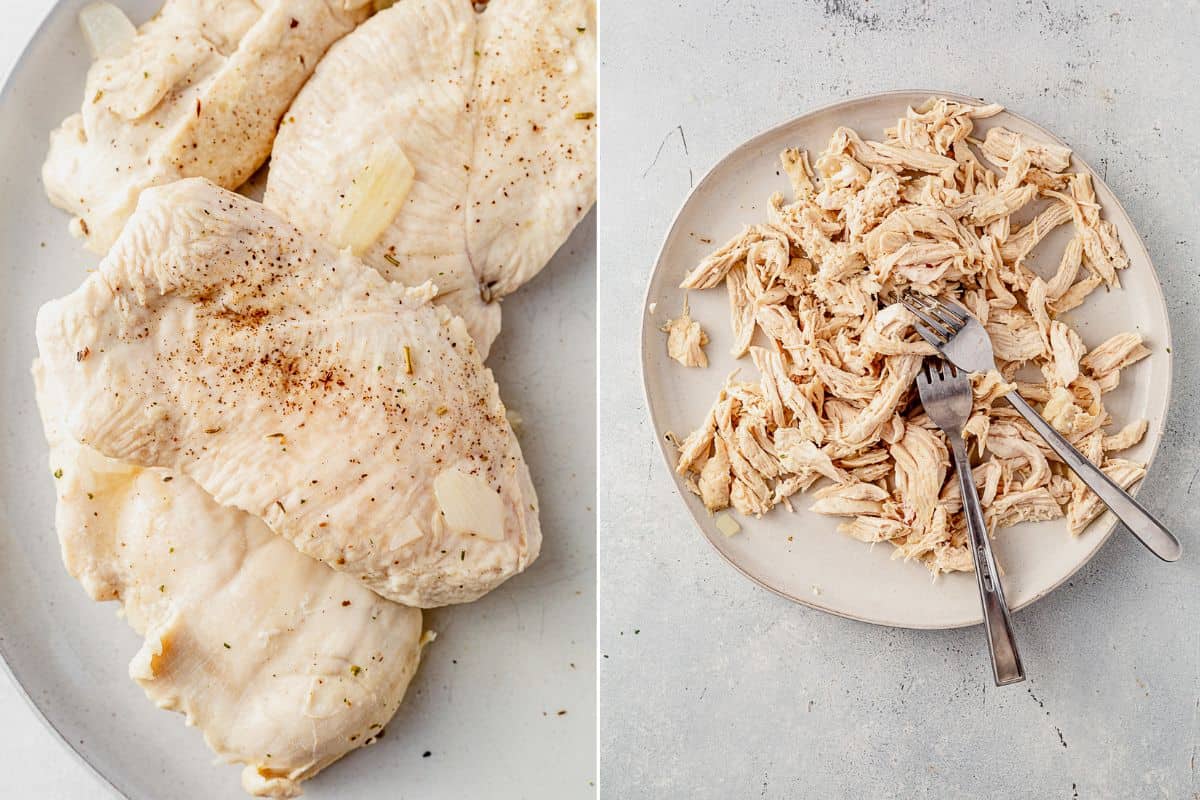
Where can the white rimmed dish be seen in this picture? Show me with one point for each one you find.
(800, 555)
(483, 702)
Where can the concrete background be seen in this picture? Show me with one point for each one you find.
(713, 688)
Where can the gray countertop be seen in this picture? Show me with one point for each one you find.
(714, 688)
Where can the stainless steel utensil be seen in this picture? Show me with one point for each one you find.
(946, 396)
(960, 338)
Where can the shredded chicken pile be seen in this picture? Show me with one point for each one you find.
(834, 398)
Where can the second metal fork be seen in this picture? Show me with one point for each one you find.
(964, 342)
(946, 396)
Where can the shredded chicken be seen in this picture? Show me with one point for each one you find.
(834, 400)
(686, 339)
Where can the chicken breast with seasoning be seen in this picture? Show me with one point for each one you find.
(197, 91)
(294, 383)
(449, 145)
(283, 664)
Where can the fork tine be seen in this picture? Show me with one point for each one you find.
(922, 300)
(928, 335)
(955, 307)
(942, 313)
(927, 379)
(934, 329)
(940, 303)
(946, 317)
(915, 300)
(948, 372)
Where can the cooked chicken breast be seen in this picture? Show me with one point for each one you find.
(493, 111)
(296, 384)
(197, 92)
(284, 664)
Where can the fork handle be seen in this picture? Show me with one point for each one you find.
(1147, 529)
(1002, 644)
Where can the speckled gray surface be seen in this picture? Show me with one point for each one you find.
(714, 688)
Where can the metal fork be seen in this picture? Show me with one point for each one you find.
(960, 338)
(946, 396)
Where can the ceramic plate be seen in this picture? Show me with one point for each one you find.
(483, 705)
(800, 555)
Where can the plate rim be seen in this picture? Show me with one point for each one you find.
(646, 334)
(19, 65)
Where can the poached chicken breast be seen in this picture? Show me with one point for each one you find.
(197, 91)
(294, 383)
(284, 664)
(490, 114)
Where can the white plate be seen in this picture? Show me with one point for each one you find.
(801, 556)
(484, 702)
